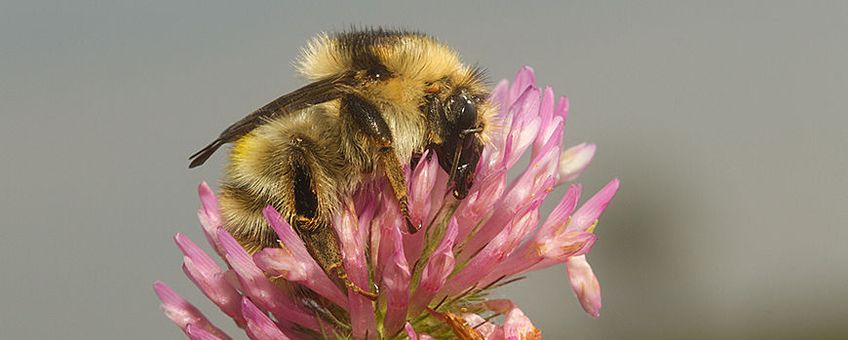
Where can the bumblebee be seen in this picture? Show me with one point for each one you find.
(377, 99)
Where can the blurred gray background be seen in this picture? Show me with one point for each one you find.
(726, 123)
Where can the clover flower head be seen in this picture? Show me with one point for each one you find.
(430, 284)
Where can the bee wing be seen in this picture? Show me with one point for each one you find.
(314, 93)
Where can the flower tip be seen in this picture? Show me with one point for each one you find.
(207, 197)
(273, 217)
(614, 183)
(577, 187)
(203, 188)
(269, 212)
(236, 256)
(527, 69)
(609, 190)
(584, 284)
(525, 79)
(198, 333)
(574, 161)
(182, 241)
(249, 310)
(259, 326)
(410, 332)
(165, 293)
(606, 194)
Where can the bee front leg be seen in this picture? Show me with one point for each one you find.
(370, 122)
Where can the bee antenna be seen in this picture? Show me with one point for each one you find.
(200, 157)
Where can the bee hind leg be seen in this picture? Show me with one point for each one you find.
(318, 236)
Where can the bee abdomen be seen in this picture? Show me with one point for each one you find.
(241, 209)
(292, 164)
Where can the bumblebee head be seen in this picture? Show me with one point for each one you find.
(462, 142)
(458, 116)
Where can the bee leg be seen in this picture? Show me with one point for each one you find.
(370, 122)
(394, 173)
(322, 245)
(338, 269)
(317, 235)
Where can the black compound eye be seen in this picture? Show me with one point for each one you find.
(463, 111)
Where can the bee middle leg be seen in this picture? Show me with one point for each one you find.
(370, 122)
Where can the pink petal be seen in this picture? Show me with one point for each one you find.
(549, 245)
(573, 161)
(259, 325)
(198, 333)
(190, 250)
(294, 263)
(286, 233)
(533, 184)
(183, 313)
(549, 123)
(413, 244)
(588, 214)
(562, 108)
(485, 328)
(368, 204)
(389, 222)
(518, 326)
(516, 263)
(259, 288)
(396, 278)
(281, 262)
(525, 126)
(546, 109)
(422, 181)
(207, 276)
(525, 225)
(524, 79)
(500, 96)
(209, 202)
(458, 325)
(410, 332)
(500, 306)
(584, 284)
(545, 160)
(521, 258)
(492, 254)
(478, 266)
(364, 202)
(352, 242)
(479, 204)
(558, 217)
(435, 274)
(209, 216)
(566, 245)
(366, 212)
